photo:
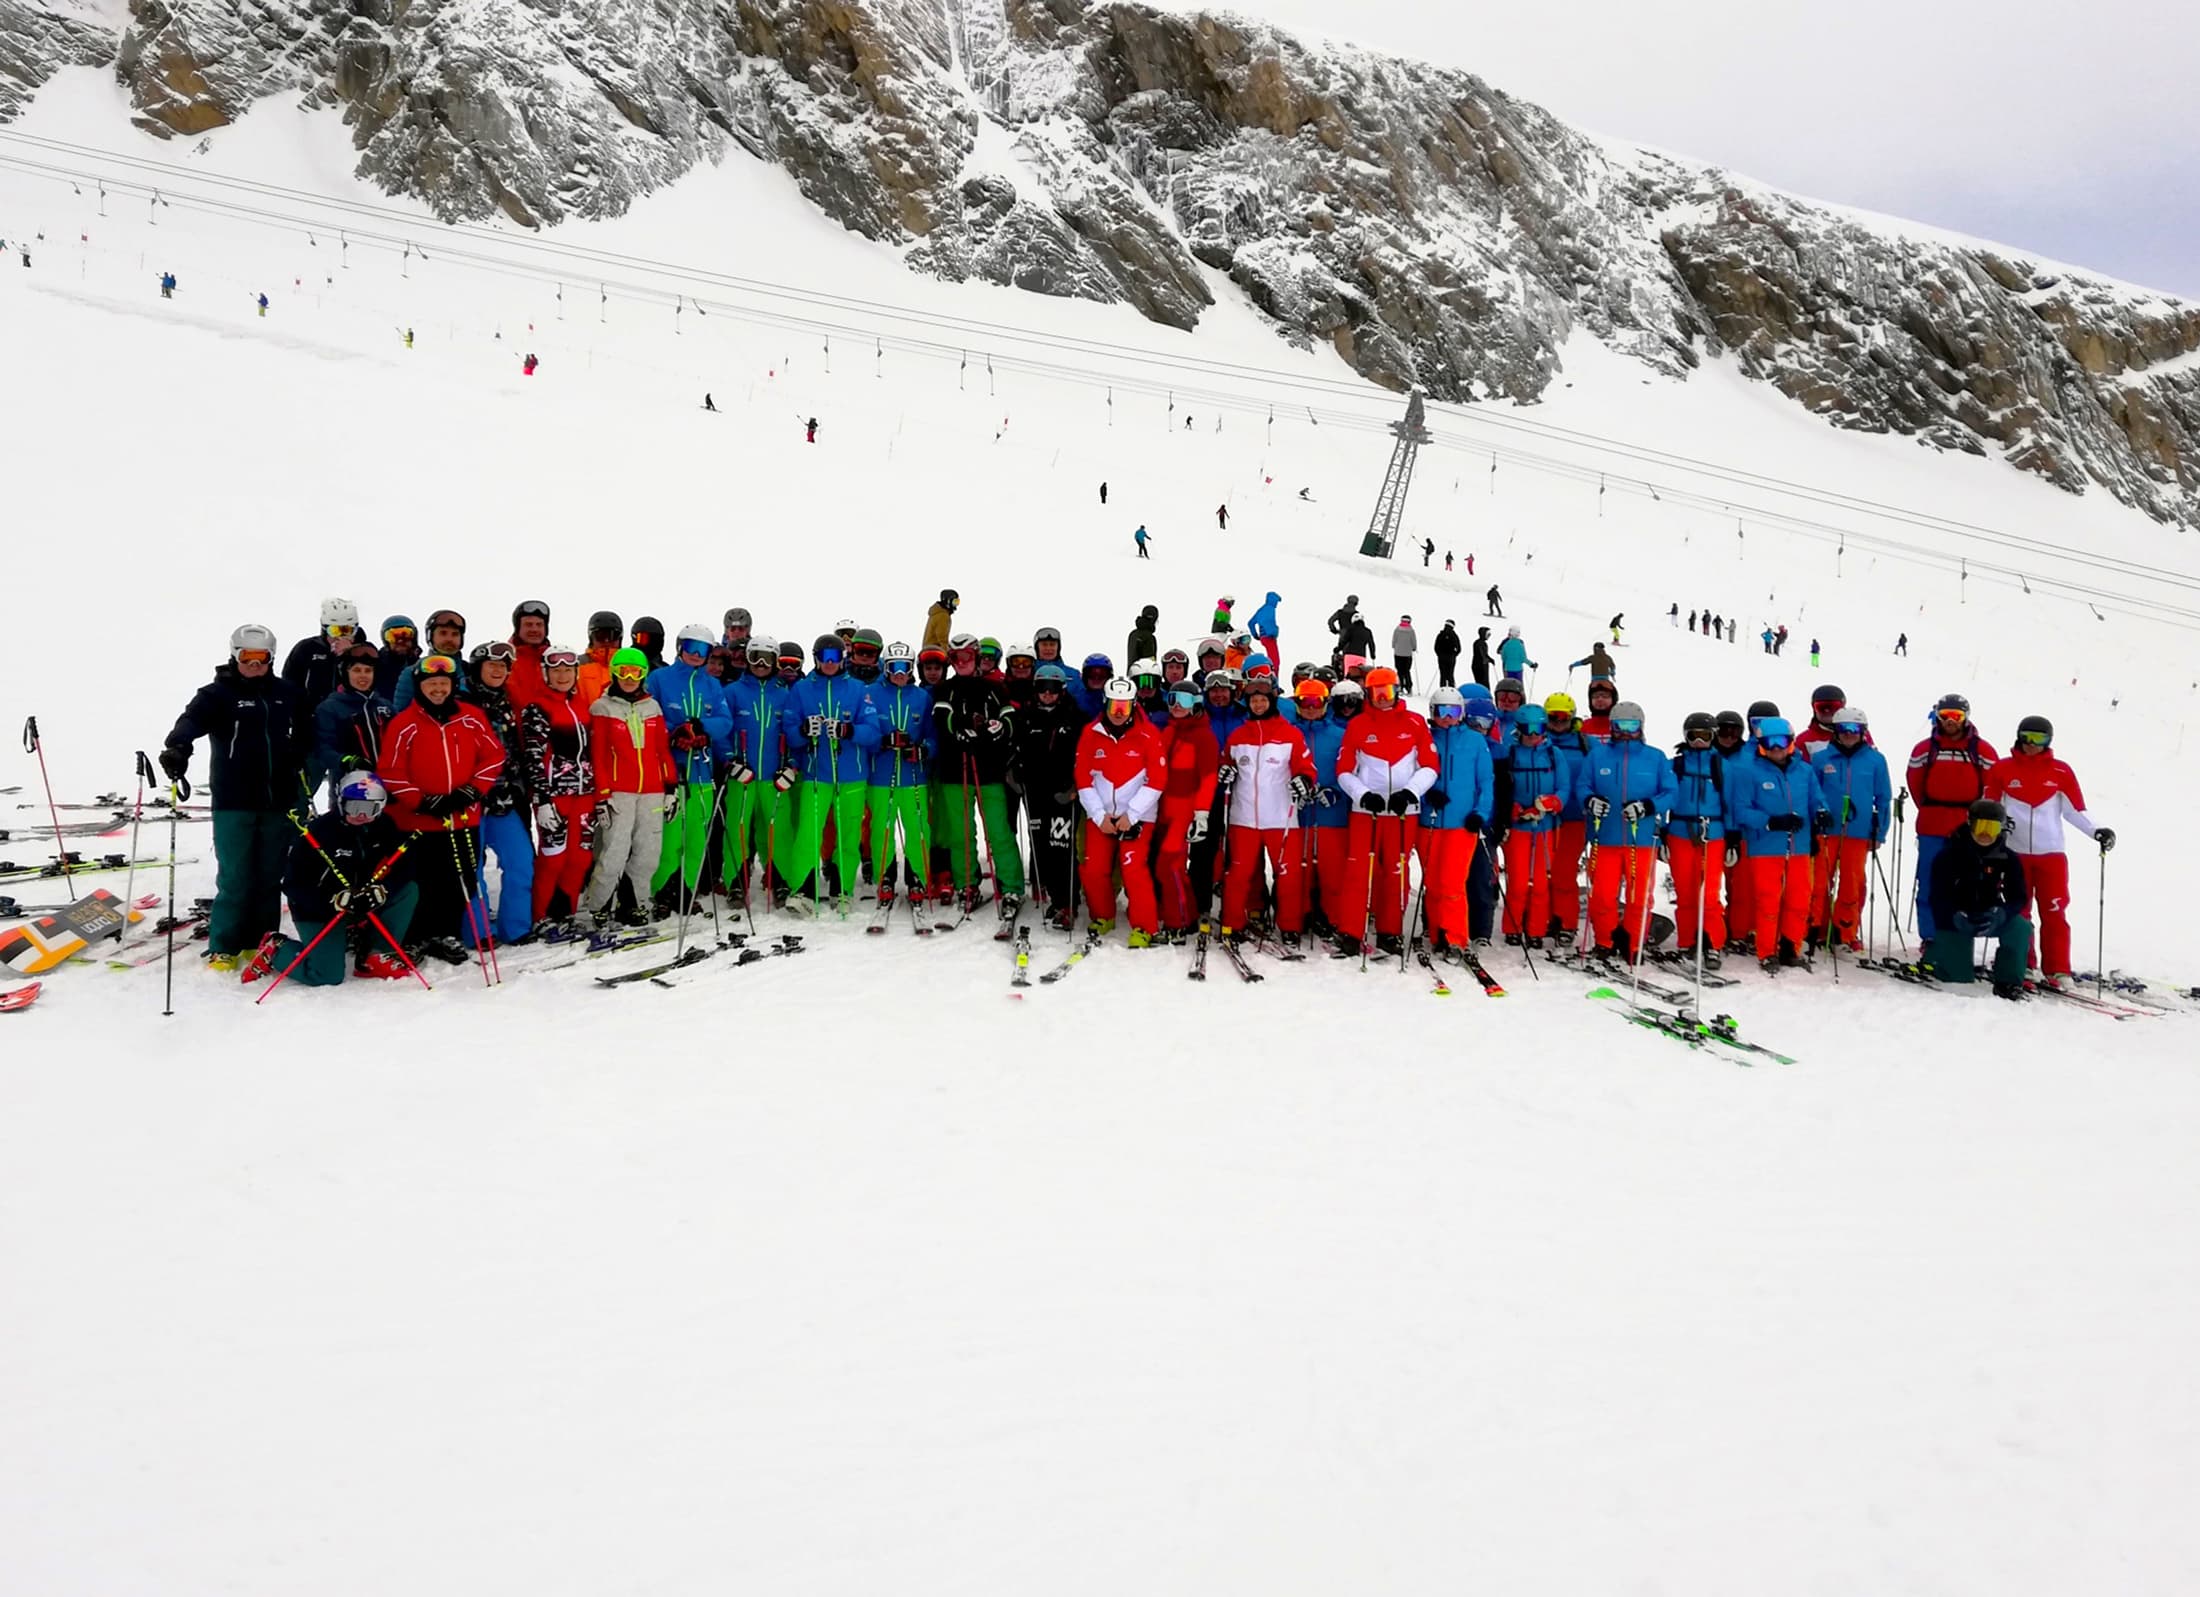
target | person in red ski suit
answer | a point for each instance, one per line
(1947, 773)
(439, 758)
(1122, 772)
(561, 784)
(1385, 765)
(1186, 804)
(2041, 794)
(1266, 775)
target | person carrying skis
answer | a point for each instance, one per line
(1694, 846)
(699, 731)
(1264, 776)
(1122, 772)
(895, 732)
(836, 782)
(1045, 765)
(768, 747)
(1947, 774)
(400, 651)
(315, 666)
(1447, 655)
(561, 785)
(1453, 813)
(939, 620)
(1541, 785)
(504, 813)
(440, 758)
(1855, 810)
(1978, 890)
(349, 724)
(1265, 629)
(1385, 766)
(257, 745)
(1775, 798)
(975, 724)
(2038, 794)
(1512, 654)
(1405, 643)
(1625, 792)
(346, 862)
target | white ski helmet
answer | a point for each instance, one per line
(1020, 651)
(1147, 666)
(251, 636)
(1209, 646)
(763, 648)
(1121, 689)
(898, 656)
(1446, 699)
(1512, 632)
(339, 613)
(699, 635)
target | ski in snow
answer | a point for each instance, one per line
(1198, 972)
(920, 915)
(1072, 960)
(1443, 987)
(880, 915)
(1475, 968)
(1236, 956)
(1022, 974)
(19, 997)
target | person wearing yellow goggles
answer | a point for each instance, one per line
(1977, 888)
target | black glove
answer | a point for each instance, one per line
(1328, 796)
(1733, 853)
(1372, 803)
(1066, 799)
(1302, 791)
(175, 762)
(1822, 823)
(1634, 810)
(1226, 776)
(1130, 831)
(2105, 836)
(1597, 808)
(435, 805)
(1472, 823)
(464, 797)
(1784, 823)
(1436, 797)
(1403, 803)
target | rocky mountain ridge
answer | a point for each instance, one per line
(1432, 230)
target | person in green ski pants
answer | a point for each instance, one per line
(699, 727)
(974, 720)
(835, 777)
(767, 752)
(896, 734)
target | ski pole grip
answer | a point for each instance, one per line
(145, 768)
(30, 734)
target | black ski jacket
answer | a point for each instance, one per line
(347, 853)
(258, 744)
(964, 712)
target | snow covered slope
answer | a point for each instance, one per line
(846, 1272)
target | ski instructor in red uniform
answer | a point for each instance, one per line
(1947, 773)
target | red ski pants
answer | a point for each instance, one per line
(1624, 871)
(1573, 837)
(2047, 878)
(1528, 859)
(1741, 898)
(1842, 862)
(568, 868)
(1385, 843)
(1247, 844)
(1172, 861)
(1779, 887)
(1105, 854)
(1446, 856)
(1326, 852)
(1699, 872)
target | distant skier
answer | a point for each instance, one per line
(1780, 638)
(1447, 654)
(263, 304)
(1447, 560)
(1470, 563)
(527, 367)
(1513, 654)
(1404, 645)
(1222, 517)
(1428, 553)
(1673, 615)
(1187, 423)
(1307, 494)
(168, 285)
(1139, 537)
(1733, 629)
(1814, 651)
(1267, 630)
(1497, 603)
(1615, 624)
(1902, 645)
(1765, 637)
(1692, 621)
(1103, 493)
(408, 338)
(708, 403)
(809, 431)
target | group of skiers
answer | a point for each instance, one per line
(619, 783)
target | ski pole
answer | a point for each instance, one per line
(2100, 933)
(380, 871)
(466, 894)
(1367, 904)
(477, 873)
(334, 922)
(178, 791)
(137, 817)
(1894, 925)
(33, 745)
(1703, 888)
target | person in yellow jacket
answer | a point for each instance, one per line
(938, 620)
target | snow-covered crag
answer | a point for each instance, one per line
(1431, 229)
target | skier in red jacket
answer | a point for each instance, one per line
(439, 757)
(2041, 793)
(1947, 773)
(1185, 806)
(1266, 775)
(1122, 772)
(1386, 763)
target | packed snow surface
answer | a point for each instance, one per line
(849, 1273)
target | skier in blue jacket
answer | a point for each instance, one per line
(1542, 785)
(1695, 838)
(1775, 798)
(1454, 813)
(1625, 791)
(700, 729)
(895, 731)
(1512, 654)
(768, 747)
(1264, 629)
(1856, 808)
(836, 777)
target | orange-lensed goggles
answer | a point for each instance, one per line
(255, 656)
(438, 665)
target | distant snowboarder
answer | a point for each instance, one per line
(708, 402)
(1307, 494)
(1497, 603)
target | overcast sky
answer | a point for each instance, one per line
(2068, 132)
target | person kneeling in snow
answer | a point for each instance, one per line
(348, 863)
(1978, 891)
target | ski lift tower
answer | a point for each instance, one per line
(1390, 504)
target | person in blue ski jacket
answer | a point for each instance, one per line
(768, 747)
(1541, 777)
(1090, 691)
(1264, 629)
(895, 730)
(1626, 789)
(1856, 809)
(1512, 654)
(1224, 714)
(1453, 815)
(1695, 838)
(836, 778)
(1323, 824)
(1775, 798)
(699, 728)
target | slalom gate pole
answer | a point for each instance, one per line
(137, 819)
(178, 791)
(33, 745)
(466, 894)
(334, 922)
(403, 958)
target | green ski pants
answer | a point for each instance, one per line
(993, 807)
(909, 809)
(250, 847)
(687, 836)
(326, 965)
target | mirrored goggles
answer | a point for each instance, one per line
(1627, 726)
(828, 656)
(1774, 740)
(400, 636)
(630, 673)
(1184, 698)
(438, 665)
(1481, 720)
(359, 809)
(557, 657)
(1986, 831)
(338, 629)
(2032, 740)
(1850, 729)
(1952, 717)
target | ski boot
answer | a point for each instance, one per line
(1139, 939)
(382, 966)
(262, 960)
(226, 964)
(1100, 928)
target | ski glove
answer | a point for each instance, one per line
(550, 828)
(673, 795)
(1634, 810)
(1436, 798)
(785, 778)
(437, 805)
(1226, 777)
(1822, 823)
(739, 772)
(1733, 853)
(1597, 808)
(1403, 803)
(1524, 813)
(1327, 797)
(175, 762)
(845, 732)
(1372, 803)
(1784, 823)
(1198, 830)
(814, 727)
(1302, 791)
(2105, 836)
(1473, 822)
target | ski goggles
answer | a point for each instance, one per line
(1503, 695)
(1049, 685)
(1985, 831)
(532, 607)
(630, 673)
(355, 808)
(447, 618)
(1774, 740)
(1047, 635)
(1185, 699)
(255, 656)
(989, 651)
(1481, 720)
(1146, 679)
(1558, 720)
(828, 656)
(338, 629)
(2032, 740)
(502, 649)
(1627, 726)
(863, 651)
(1952, 718)
(401, 636)
(1855, 729)
(1827, 708)
(438, 665)
(554, 658)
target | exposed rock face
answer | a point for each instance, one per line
(1433, 231)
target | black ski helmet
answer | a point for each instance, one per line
(1730, 721)
(823, 641)
(2040, 724)
(1763, 709)
(1987, 809)
(530, 607)
(1698, 723)
(603, 622)
(648, 627)
(1828, 693)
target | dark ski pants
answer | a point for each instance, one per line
(445, 862)
(1404, 663)
(325, 966)
(250, 847)
(1950, 953)
(1054, 850)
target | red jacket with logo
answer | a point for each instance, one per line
(423, 755)
(1946, 777)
